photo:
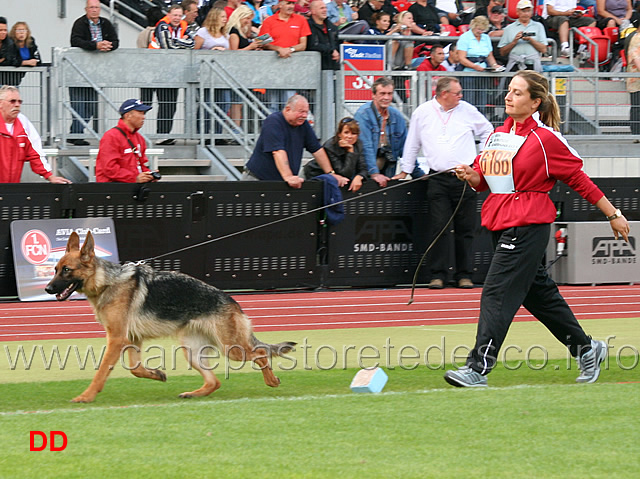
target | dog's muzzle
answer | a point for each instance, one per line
(62, 291)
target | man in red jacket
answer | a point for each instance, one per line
(122, 156)
(20, 142)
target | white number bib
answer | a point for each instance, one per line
(496, 162)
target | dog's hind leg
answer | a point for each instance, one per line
(261, 357)
(136, 367)
(194, 347)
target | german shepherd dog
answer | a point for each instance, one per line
(134, 303)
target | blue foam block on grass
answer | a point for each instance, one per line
(369, 381)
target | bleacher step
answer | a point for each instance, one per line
(172, 178)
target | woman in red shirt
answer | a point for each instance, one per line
(520, 164)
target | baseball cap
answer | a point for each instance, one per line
(133, 104)
(522, 4)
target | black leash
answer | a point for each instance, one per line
(415, 275)
(315, 210)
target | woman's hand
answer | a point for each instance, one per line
(346, 144)
(620, 227)
(468, 174)
(342, 180)
(356, 183)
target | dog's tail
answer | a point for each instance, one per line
(274, 349)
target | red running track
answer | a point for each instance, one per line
(323, 310)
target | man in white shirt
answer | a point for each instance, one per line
(445, 128)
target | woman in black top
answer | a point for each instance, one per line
(345, 154)
(239, 26)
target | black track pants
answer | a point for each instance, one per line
(517, 277)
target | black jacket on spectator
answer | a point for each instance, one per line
(324, 39)
(33, 50)
(344, 163)
(81, 34)
(9, 52)
(426, 17)
(366, 11)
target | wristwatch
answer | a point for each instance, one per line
(616, 214)
(293, 50)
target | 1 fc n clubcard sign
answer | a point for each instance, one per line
(39, 244)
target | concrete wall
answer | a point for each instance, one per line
(50, 30)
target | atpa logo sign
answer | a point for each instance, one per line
(607, 250)
(384, 234)
(35, 247)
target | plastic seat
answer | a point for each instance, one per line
(512, 11)
(589, 32)
(448, 30)
(463, 28)
(613, 33)
(401, 5)
(423, 50)
(604, 50)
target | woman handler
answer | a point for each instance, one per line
(520, 164)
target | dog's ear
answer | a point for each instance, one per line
(87, 252)
(73, 244)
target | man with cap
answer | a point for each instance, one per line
(121, 157)
(486, 9)
(524, 40)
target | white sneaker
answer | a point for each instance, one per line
(465, 377)
(565, 52)
(589, 362)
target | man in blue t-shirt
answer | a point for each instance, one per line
(278, 153)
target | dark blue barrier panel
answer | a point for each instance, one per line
(385, 235)
(379, 243)
(150, 220)
(624, 193)
(279, 248)
(382, 238)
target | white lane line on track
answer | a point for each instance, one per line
(340, 310)
(222, 402)
(391, 323)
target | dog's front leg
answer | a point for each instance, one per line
(115, 343)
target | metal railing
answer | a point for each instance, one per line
(594, 105)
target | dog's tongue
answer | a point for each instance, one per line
(67, 292)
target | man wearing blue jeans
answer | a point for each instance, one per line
(383, 131)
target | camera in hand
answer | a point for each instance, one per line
(384, 156)
(528, 34)
(156, 175)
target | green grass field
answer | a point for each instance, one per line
(534, 420)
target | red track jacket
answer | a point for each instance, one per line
(23, 145)
(543, 158)
(116, 161)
